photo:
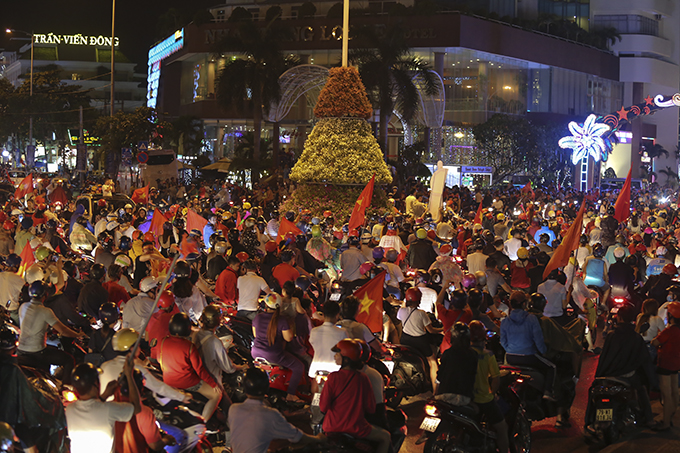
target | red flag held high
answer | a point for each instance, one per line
(478, 217)
(622, 206)
(560, 257)
(25, 187)
(528, 190)
(141, 195)
(195, 221)
(58, 194)
(370, 296)
(27, 259)
(285, 227)
(157, 222)
(358, 216)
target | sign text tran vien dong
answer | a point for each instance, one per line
(75, 40)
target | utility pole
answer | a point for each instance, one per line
(113, 53)
(345, 31)
(81, 155)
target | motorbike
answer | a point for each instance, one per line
(184, 424)
(409, 373)
(612, 410)
(449, 428)
(279, 378)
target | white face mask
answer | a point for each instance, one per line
(670, 298)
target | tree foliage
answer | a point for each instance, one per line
(410, 163)
(343, 96)
(517, 145)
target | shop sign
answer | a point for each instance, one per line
(75, 40)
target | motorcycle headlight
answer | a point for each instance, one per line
(431, 410)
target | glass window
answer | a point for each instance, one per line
(629, 24)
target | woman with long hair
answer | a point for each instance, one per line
(272, 331)
(668, 365)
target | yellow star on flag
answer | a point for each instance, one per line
(366, 303)
(359, 201)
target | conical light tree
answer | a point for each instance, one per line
(341, 154)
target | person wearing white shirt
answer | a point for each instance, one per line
(650, 315)
(512, 245)
(249, 287)
(90, 419)
(476, 261)
(555, 296)
(325, 337)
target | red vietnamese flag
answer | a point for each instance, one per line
(25, 187)
(528, 190)
(622, 205)
(478, 217)
(157, 221)
(141, 195)
(370, 296)
(358, 216)
(27, 259)
(560, 257)
(195, 221)
(59, 195)
(285, 227)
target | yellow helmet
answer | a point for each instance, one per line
(246, 205)
(522, 253)
(500, 216)
(124, 339)
(41, 253)
(421, 233)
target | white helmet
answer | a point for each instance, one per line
(221, 247)
(34, 273)
(661, 251)
(123, 261)
(148, 283)
(112, 225)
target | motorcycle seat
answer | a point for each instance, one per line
(612, 379)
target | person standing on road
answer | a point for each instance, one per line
(668, 365)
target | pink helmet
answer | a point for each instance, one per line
(469, 281)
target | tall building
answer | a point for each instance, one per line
(649, 54)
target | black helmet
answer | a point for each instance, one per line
(537, 301)
(37, 289)
(180, 325)
(84, 376)
(436, 276)
(303, 282)
(105, 240)
(233, 235)
(211, 316)
(287, 255)
(125, 243)
(167, 226)
(256, 382)
(8, 338)
(583, 240)
(126, 218)
(109, 313)
(611, 210)
(458, 299)
(290, 215)
(97, 271)
(182, 269)
(353, 240)
(13, 260)
(51, 224)
(598, 250)
(139, 382)
(461, 332)
(70, 268)
(274, 215)
(178, 223)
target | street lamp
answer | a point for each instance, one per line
(30, 118)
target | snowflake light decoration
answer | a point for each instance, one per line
(586, 139)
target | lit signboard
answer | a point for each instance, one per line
(75, 40)
(157, 53)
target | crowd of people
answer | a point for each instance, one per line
(92, 275)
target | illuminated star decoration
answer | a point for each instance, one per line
(366, 303)
(586, 139)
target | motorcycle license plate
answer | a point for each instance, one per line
(316, 399)
(604, 415)
(335, 297)
(430, 424)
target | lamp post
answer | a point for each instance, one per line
(113, 52)
(30, 118)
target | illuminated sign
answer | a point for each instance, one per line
(157, 53)
(586, 140)
(87, 138)
(75, 40)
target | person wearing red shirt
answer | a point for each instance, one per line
(450, 316)
(225, 287)
(668, 365)
(518, 270)
(141, 434)
(286, 272)
(158, 327)
(182, 365)
(117, 294)
(347, 395)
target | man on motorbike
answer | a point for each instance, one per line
(595, 271)
(347, 396)
(621, 275)
(91, 419)
(35, 319)
(93, 294)
(249, 287)
(352, 259)
(657, 286)
(356, 330)
(182, 365)
(458, 369)
(421, 253)
(254, 424)
(11, 285)
(522, 339)
(655, 266)
(324, 337)
(625, 356)
(138, 309)
(122, 342)
(225, 287)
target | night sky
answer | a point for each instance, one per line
(136, 20)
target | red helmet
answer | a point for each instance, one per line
(166, 300)
(8, 225)
(674, 309)
(3, 216)
(148, 236)
(637, 237)
(670, 269)
(136, 235)
(348, 348)
(242, 256)
(413, 295)
(101, 203)
(327, 214)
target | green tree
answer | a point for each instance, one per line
(126, 129)
(410, 163)
(672, 178)
(250, 83)
(240, 14)
(186, 135)
(6, 118)
(307, 10)
(273, 13)
(387, 68)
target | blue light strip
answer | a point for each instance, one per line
(157, 53)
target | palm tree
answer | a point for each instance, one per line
(672, 178)
(251, 81)
(387, 68)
